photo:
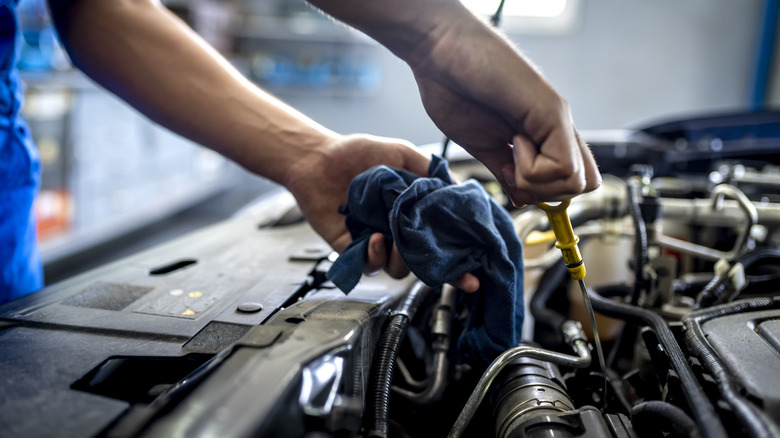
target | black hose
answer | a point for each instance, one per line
(713, 292)
(385, 361)
(761, 255)
(661, 416)
(703, 410)
(640, 240)
(754, 421)
(767, 284)
(626, 336)
(549, 282)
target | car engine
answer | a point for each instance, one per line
(235, 331)
(681, 248)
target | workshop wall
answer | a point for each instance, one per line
(623, 62)
(636, 60)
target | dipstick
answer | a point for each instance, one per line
(567, 241)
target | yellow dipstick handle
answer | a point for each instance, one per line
(566, 239)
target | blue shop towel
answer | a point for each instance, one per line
(442, 231)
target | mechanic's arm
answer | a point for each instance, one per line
(140, 51)
(482, 93)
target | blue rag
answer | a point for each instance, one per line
(442, 231)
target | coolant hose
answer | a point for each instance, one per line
(663, 417)
(703, 410)
(754, 421)
(384, 363)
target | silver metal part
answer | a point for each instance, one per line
(582, 360)
(700, 212)
(434, 385)
(572, 331)
(532, 388)
(750, 218)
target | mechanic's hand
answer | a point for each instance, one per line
(320, 183)
(485, 96)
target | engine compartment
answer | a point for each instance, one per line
(681, 249)
(236, 331)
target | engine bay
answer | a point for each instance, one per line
(681, 273)
(235, 331)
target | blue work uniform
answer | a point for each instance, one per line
(21, 270)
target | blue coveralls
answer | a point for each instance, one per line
(21, 270)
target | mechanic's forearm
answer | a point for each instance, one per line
(143, 53)
(409, 28)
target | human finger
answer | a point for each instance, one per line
(558, 158)
(467, 283)
(592, 174)
(380, 258)
(377, 254)
(396, 267)
(414, 160)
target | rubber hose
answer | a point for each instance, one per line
(549, 282)
(661, 416)
(763, 284)
(394, 334)
(703, 410)
(760, 255)
(625, 337)
(640, 240)
(752, 419)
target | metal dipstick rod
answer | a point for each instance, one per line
(567, 241)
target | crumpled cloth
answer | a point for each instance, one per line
(442, 231)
